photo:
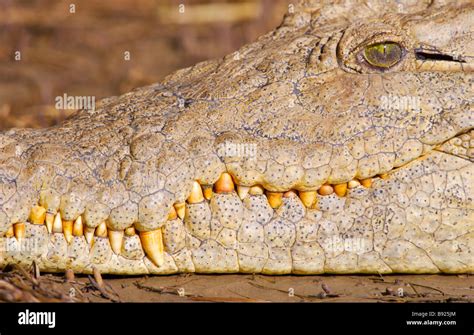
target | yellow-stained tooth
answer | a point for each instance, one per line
(208, 192)
(326, 189)
(308, 198)
(256, 190)
(37, 214)
(152, 243)
(384, 175)
(78, 227)
(224, 184)
(180, 209)
(196, 194)
(172, 214)
(340, 189)
(67, 230)
(89, 234)
(116, 238)
(19, 231)
(275, 199)
(101, 230)
(49, 222)
(130, 231)
(10, 232)
(242, 191)
(353, 183)
(366, 182)
(57, 224)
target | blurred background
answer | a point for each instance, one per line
(78, 47)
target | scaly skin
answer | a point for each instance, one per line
(306, 100)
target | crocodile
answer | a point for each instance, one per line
(340, 142)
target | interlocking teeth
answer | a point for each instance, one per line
(353, 183)
(37, 214)
(152, 243)
(224, 184)
(58, 224)
(180, 209)
(308, 198)
(19, 231)
(116, 238)
(208, 192)
(101, 230)
(89, 234)
(172, 214)
(340, 189)
(326, 189)
(49, 222)
(196, 194)
(242, 191)
(78, 227)
(275, 199)
(130, 231)
(256, 190)
(67, 230)
(366, 182)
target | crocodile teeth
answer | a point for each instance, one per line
(208, 192)
(19, 231)
(172, 214)
(366, 182)
(37, 214)
(289, 194)
(152, 243)
(10, 232)
(49, 222)
(340, 189)
(116, 238)
(308, 198)
(384, 176)
(101, 230)
(353, 183)
(78, 227)
(67, 230)
(89, 234)
(242, 191)
(256, 190)
(326, 190)
(130, 231)
(180, 209)
(224, 184)
(196, 194)
(275, 199)
(57, 224)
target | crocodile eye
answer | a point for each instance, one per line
(383, 55)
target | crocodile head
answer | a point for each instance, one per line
(340, 142)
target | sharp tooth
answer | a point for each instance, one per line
(37, 215)
(256, 190)
(97, 277)
(196, 194)
(69, 275)
(57, 224)
(19, 231)
(353, 183)
(208, 192)
(325, 189)
(384, 176)
(172, 214)
(67, 230)
(10, 232)
(116, 238)
(130, 231)
(78, 227)
(366, 182)
(49, 222)
(275, 199)
(152, 243)
(180, 209)
(224, 184)
(289, 194)
(89, 234)
(308, 198)
(101, 230)
(242, 191)
(340, 189)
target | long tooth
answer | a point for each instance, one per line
(308, 198)
(152, 243)
(89, 234)
(19, 231)
(275, 199)
(196, 194)
(116, 238)
(78, 227)
(180, 209)
(366, 182)
(242, 191)
(353, 183)
(10, 232)
(172, 214)
(130, 231)
(57, 224)
(67, 230)
(208, 192)
(49, 222)
(224, 184)
(37, 214)
(326, 189)
(256, 190)
(340, 189)
(101, 230)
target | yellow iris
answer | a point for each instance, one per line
(383, 55)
